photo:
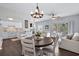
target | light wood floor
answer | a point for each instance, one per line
(13, 48)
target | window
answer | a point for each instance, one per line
(26, 23)
(61, 28)
(46, 26)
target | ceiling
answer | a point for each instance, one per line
(20, 11)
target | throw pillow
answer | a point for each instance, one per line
(76, 37)
(69, 36)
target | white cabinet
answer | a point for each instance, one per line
(10, 23)
(5, 35)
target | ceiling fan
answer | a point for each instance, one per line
(53, 15)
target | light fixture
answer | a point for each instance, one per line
(54, 17)
(10, 18)
(37, 13)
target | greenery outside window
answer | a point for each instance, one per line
(61, 28)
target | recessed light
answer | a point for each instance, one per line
(10, 18)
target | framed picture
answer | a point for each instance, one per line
(46, 26)
(31, 25)
(26, 23)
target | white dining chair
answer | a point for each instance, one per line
(1, 42)
(28, 46)
(51, 50)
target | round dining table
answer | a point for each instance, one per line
(44, 41)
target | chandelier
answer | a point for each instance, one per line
(37, 13)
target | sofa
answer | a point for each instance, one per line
(70, 44)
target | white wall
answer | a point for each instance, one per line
(72, 20)
(41, 25)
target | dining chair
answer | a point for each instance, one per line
(51, 49)
(28, 46)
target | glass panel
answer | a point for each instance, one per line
(61, 28)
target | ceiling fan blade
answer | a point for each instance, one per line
(56, 17)
(53, 15)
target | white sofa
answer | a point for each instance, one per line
(70, 45)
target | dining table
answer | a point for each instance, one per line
(43, 41)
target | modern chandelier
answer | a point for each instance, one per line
(37, 13)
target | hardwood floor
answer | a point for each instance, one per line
(13, 48)
(63, 52)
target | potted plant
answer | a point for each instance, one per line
(38, 34)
